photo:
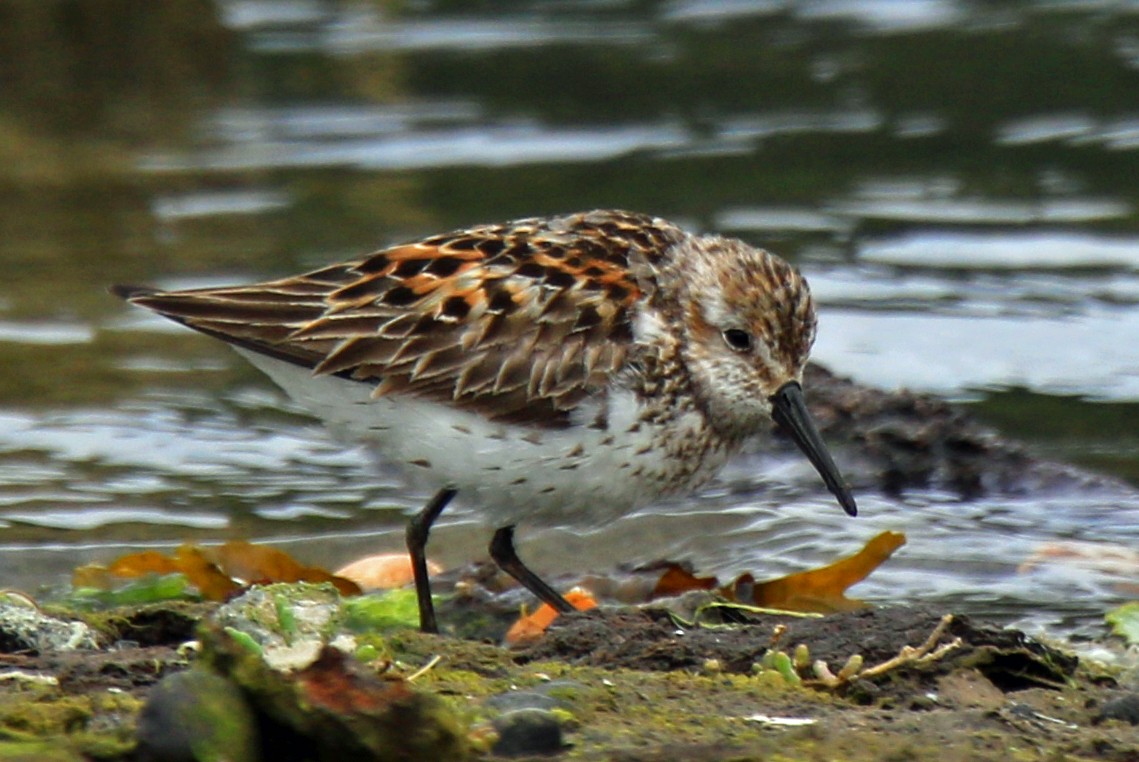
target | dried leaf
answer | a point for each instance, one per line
(676, 580)
(263, 564)
(1107, 558)
(217, 573)
(92, 576)
(204, 574)
(141, 564)
(818, 590)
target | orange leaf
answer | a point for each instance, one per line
(343, 586)
(255, 563)
(263, 564)
(676, 580)
(141, 564)
(819, 590)
(531, 626)
(130, 566)
(92, 575)
(217, 572)
(203, 574)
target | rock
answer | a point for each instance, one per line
(289, 623)
(555, 694)
(901, 440)
(23, 627)
(525, 732)
(512, 701)
(1125, 707)
(335, 707)
(197, 716)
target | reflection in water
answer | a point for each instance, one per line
(950, 353)
(1005, 250)
(957, 182)
(499, 145)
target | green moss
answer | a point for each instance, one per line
(99, 725)
(37, 751)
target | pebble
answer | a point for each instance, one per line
(524, 732)
(195, 716)
(23, 627)
(1124, 708)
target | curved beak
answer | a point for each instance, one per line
(790, 412)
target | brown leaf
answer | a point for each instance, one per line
(218, 572)
(204, 574)
(92, 575)
(261, 564)
(819, 590)
(676, 580)
(130, 566)
(143, 563)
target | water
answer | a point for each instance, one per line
(956, 180)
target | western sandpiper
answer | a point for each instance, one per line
(567, 368)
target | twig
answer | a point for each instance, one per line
(425, 668)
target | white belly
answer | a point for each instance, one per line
(570, 475)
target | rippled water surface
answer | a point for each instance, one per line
(956, 180)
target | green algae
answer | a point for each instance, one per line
(245, 641)
(382, 612)
(1124, 622)
(286, 618)
(152, 588)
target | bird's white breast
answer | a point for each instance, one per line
(575, 474)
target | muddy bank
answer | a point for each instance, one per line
(617, 683)
(893, 441)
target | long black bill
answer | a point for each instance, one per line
(790, 412)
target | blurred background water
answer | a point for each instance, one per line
(958, 180)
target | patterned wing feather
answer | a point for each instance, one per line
(519, 321)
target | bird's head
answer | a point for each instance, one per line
(749, 323)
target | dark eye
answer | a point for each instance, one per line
(737, 339)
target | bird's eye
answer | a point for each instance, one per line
(737, 339)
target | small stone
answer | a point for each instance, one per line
(527, 731)
(337, 709)
(290, 623)
(1124, 708)
(512, 701)
(555, 694)
(23, 627)
(197, 716)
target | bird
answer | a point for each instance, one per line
(567, 368)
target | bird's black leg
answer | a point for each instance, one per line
(417, 530)
(502, 551)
